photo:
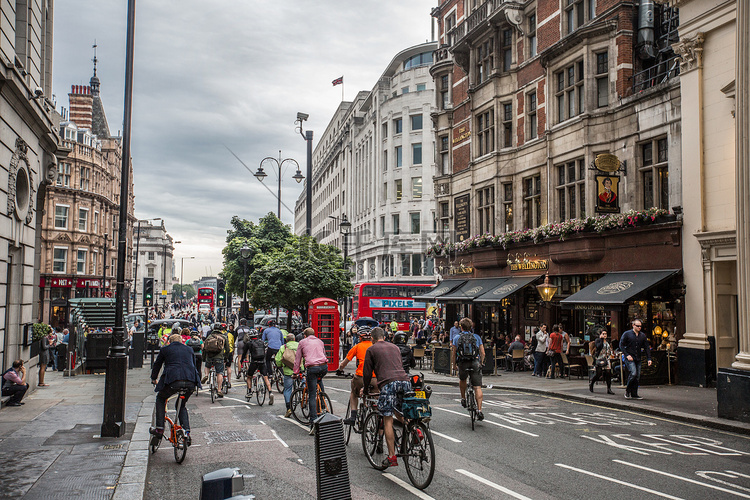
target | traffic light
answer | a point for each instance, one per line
(148, 292)
(221, 293)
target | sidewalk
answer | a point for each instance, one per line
(51, 446)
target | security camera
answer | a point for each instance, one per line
(38, 92)
(302, 117)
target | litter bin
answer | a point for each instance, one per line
(97, 348)
(221, 484)
(62, 356)
(137, 348)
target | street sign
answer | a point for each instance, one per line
(164, 292)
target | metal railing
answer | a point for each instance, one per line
(655, 75)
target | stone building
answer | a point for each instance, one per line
(558, 135)
(29, 144)
(155, 260)
(80, 227)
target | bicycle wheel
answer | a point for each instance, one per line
(213, 392)
(420, 455)
(260, 390)
(279, 376)
(180, 445)
(347, 427)
(324, 404)
(225, 385)
(373, 441)
(471, 404)
(154, 443)
(300, 409)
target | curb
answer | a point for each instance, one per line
(714, 423)
(132, 481)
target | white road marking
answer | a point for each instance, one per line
(246, 403)
(492, 485)
(280, 440)
(225, 406)
(489, 422)
(444, 436)
(292, 421)
(623, 483)
(262, 422)
(337, 389)
(411, 489)
(681, 478)
(707, 474)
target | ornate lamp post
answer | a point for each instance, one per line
(261, 175)
(245, 254)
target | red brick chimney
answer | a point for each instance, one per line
(81, 105)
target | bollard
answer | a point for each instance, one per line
(221, 484)
(331, 469)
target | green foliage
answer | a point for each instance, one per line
(40, 330)
(177, 290)
(302, 271)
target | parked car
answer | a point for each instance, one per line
(263, 323)
(130, 320)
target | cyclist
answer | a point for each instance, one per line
(239, 347)
(468, 351)
(384, 358)
(284, 363)
(407, 357)
(358, 351)
(215, 349)
(179, 373)
(229, 352)
(256, 349)
(312, 350)
(274, 339)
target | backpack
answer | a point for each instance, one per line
(466, 347)
(287, 359)
(214, 344)
(195, 344)
(246, 339)
(257, 350)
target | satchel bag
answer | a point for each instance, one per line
(550, 353)
(601, 363)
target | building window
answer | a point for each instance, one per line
(60, 260)
(85, 176)
(445, 155)
(385, 130)
(399, 156)
(486, 210)
(508, 206)
(532, 201)
(531, 114)
(398, 125)
(445, 226)
(94, 260)
(507, 49)
(396, 219)
(507, 125)
(531, 35)
(485, 132)
(602, 80)
(385, 161)
(150, 272)
(484, 60)
(571, 188)
(416, 153)
(81, 261)
(398, 189)
(405, 90)
(387, 261)
(415, 222)
(151, 255)
(385, 192)
(569, 91)
(575, 13)
(444, 92)
(61, 217)
(416, 122)
(83, 219)
(63, 174)
(655, 173)
(95, 228)
(450, 23)
(416, 188)
(421, 87)
(422, 59)
(382, 226)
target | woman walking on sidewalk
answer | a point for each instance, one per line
(540, 352)
(602, 353)
(43, 359)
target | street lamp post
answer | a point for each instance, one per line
(261, 175)
(245, 254)
(182, 266)
(104, 266)
(308, 137)
(137, 252)
(344, 226)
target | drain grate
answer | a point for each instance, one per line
(112, 446)
(220, 437)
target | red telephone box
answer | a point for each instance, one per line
(323, 315)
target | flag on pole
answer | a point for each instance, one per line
(338, 81)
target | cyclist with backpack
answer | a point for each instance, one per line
(229, 352)
(285, 359)
(256, 349)
(358, 351)
(215, 348)
(239, 347)
(467, 352)
(407, 357)
(274, 339)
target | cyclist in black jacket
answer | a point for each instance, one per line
(407, 357)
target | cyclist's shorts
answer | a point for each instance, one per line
(256, 366)
(218, 365)
(228, 362)
(476, 375)
(391, 396)
(358, 383)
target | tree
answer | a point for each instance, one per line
(263, 239)
(177, 290)
(302, 271)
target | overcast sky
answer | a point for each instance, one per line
(234, 73)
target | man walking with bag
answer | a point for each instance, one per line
(632, 344)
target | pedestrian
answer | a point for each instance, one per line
(354, 335)
(632, 343)
(540, 351)
(43, 360)
(284, 362)
(555, 347)
(312, 350)
(455, 331)
(14, 383)
(52, 338)
(602, 353)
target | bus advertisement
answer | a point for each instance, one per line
(385, 302)
(206, 296)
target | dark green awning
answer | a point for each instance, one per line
(96, 313)
(615, 289)
(471, 289)
(440, 289)
(506, 288)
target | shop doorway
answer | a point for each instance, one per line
(727, 320)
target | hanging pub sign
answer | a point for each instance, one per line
(461, 211)
(607, 194)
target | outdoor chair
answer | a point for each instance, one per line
(567, 367)
(516, 360)
(418, 353)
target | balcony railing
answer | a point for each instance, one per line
(657, 74)
(476, 20)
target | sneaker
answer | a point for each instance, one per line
(627, 395)
(480, 416)
(155, 432)
(219, 395)
(204, 380)
(420, 435)
(390, 462)
(270, 398)
(288, 413)
(349, 421)
(14, 403)
(379, 447)
(463, 402)
(188, 441)
(609, 391)
(635, 397)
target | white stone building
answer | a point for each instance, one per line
(154, 260)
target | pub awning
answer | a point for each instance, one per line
(471, 290)
(507, 288)
(440, 289)
(615, 289)
(97, 313)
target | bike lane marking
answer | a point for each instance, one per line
(493, 485)
(280, 440)
(445, 436)
(488, 422)
(681, 478)
(411, 489)
(292, 421)
(617, 481)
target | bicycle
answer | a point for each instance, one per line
(471, 399)
(176, 435)
(300, 401)
(366, 405)
(212, 387)
(413, 439)
(277, 379)
(258, 385)
(225, 384)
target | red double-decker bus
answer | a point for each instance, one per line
(206, 296)
(385, 302)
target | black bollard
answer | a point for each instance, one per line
(222, 484)
(331, 469)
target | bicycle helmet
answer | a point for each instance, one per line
(271, 322)
(176, 326)
(243, 322)
(364, 332)
(216, 326)
(399, 338)
(253, 333)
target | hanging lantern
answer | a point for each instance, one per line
(546, 290)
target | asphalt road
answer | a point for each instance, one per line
(529, 446)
